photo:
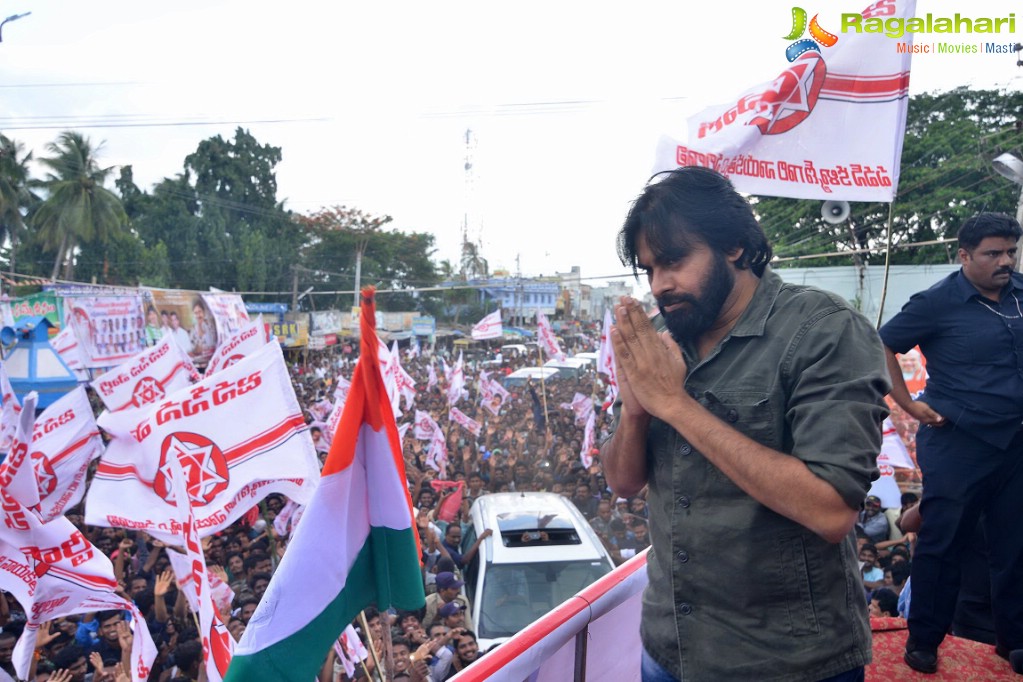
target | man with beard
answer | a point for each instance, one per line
(970, 442)
(467, 650)
(752, 410)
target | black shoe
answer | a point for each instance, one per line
(1013, 656)
(921, 659)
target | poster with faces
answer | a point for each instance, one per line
(109, 329)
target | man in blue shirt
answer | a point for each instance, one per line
(970, 444)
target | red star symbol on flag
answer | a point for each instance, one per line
(45, 475)
(147, 390)
(201, 460)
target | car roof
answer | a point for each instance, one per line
(511, 514)
(574, 363)
(535, 372)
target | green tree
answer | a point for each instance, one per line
(78, 208)
(15, 196)
(474, 265)
(166, 223)
(248, 237)
(219, 221)
(340, 239)
(236, 177)
(946, 176)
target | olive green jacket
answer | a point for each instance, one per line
(738, 592)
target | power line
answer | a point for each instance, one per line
(165, 124)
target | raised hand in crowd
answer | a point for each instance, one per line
(100, 673)
(46, 634)
(125, 639)
(61, 675)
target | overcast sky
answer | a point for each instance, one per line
(370, 101)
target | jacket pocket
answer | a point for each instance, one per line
(797, 591)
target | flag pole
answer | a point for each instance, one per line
(887, 262)
(543, 388)
(372, 647)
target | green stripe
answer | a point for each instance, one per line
(386, 573)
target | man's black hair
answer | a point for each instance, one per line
(445, 563)
(976, 229)
(188, 654)
(680, 208)
(258, 576)
(145, 600)
(254, 558)
(68, 656)
(107, 615)
(900, 572)
(248, 600)
(887, 601)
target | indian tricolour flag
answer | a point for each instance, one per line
(356, 545)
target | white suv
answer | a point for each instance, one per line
(541, 553)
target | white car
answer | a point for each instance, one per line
(573, 367)
(520, 376)
(592, 358)
(542, 552)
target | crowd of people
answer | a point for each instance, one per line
(751, 483)
(533, 444)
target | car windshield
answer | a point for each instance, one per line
(514, 595)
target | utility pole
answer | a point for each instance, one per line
(518, 288)
(360, 246)
(294, 288)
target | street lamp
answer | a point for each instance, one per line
(13, 17)
(1010, 166)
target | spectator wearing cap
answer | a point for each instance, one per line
(452, 614)
(872, 521)
(621, 508)
(448, 590)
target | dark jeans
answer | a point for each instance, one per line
(963, 478)
(653, 672)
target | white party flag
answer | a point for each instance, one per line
(70, 351)
(589, 436)
(51, 568)
(217, 642)
(456, 381)
(425, 427)
(65, 440)
(239, 435)
(830, 126)
(606, 359)
(466, 422)
(146, 377)
(545, 337)
(247, 340)
(581, 405)
(350, 650)
(10, 411)
(489, 327)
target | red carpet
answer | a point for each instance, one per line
(959, 660)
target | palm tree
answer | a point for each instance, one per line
(15, 196)
(78, 208)
(474, 265)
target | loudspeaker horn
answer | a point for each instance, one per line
(835, 212)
